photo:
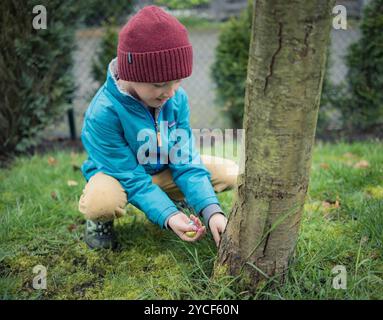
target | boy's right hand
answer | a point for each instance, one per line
(179, 223)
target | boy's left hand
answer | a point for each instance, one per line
(180, 224)
(217, 224)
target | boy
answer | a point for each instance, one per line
(142, 94)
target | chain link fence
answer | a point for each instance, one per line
(205, 113)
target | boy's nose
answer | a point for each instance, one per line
(170, 92)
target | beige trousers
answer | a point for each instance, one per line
(103, 197)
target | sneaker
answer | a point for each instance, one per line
(100, 235)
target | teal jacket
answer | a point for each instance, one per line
(110, 137)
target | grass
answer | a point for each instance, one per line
(342, 224)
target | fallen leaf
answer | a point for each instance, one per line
(331, 204)
(362, 164)
(72, 183)
(52, 161)
(54, 195)
(349, 155)
(72, 227)
(330, 201)
(324, 165)
(326, 204)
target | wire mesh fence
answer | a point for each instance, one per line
(200, 87)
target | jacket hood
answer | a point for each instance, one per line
(114, 89)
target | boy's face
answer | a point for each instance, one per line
(153, 94)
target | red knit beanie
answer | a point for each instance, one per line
(154, 47)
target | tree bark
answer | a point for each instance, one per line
(283, 87)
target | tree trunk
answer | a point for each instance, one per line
(283, 88)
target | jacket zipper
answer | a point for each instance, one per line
(158, 133)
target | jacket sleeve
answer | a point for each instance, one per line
(106, 146)
(191, 176)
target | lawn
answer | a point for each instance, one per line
(342, 224)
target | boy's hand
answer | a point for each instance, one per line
(179, 223)
(217, 224)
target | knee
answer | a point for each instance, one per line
(224, 172)
(229, 175)
(103, 198)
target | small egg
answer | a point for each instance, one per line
(191, 234)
